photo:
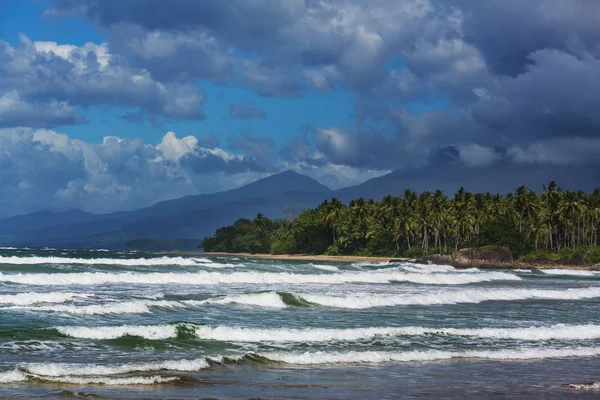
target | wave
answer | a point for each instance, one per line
(112, 374)
(583, 386)
(449, 297)
(34, 298)
(126, 307)
(213, 278)
(15, 376)
(571, 272)
(151, 332)
(133, 380)
(264, 299)
(324, 267)
(106, 261)
(319, 357)
(240, 334)
(57, 369)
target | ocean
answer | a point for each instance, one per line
(103, 324)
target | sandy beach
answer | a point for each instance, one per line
(302, 257)
(518, 264)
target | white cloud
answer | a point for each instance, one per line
(475, 155)
(44, 82)
(43, 169)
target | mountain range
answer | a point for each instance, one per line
(277, 196)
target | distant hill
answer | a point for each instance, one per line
(502, 177)
(189, 217)
(193, 217)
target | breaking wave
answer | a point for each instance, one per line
(570, 272)
(311, 358)
(450, 297)
(28, 298)
(105, 261)
(265, 299)
(239, 334)
(126, 307)
(213, 278)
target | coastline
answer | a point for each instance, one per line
(427, 259)
(303, 257)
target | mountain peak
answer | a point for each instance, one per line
(287, 181)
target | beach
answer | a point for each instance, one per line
(445, 260)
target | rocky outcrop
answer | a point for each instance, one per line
(476, 257)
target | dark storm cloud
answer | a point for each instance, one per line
(208, 141)
(508, 31)
(34, 74)
(204, 162)
(15, 112)
(519, 77)
(262, 149)
(246, 110)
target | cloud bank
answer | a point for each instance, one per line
(518, 83)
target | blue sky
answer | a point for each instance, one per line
(285, 117)
(124, 103)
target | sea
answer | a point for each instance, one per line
(129, 325)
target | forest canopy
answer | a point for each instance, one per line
(554, 223)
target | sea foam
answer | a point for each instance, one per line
(34, 298)
(240, 334)
(105, 261)
(449, 297)
(310, 358)
(213, 278)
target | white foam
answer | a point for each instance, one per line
(571, 272)
(133, 380)
(265, 299)
(152, 332)
(584, 386)
(235, 334)
(12, 376)
(33, 298)
(319, 357)
(58, 369)
(213, 278)
(104, 261)
(450, 297)
(240, 334)
(126, 307)
(535, 333)
(324, 267)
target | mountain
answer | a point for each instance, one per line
(192, 217)
(189, 217)
(449, 176)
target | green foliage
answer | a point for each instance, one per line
(554, 221)
(332, 251)
(502, 232)
(414, 252)
(585, 254)
(244, 236)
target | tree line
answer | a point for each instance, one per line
(552, 221)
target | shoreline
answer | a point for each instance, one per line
(303, 257)
(428, 259)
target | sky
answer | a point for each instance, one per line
(114, 105)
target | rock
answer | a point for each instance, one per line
(476, 257)
(483, 257)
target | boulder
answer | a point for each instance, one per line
(483, 257)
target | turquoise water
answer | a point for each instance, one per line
(135, 325)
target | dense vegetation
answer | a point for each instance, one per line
(553, 224)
